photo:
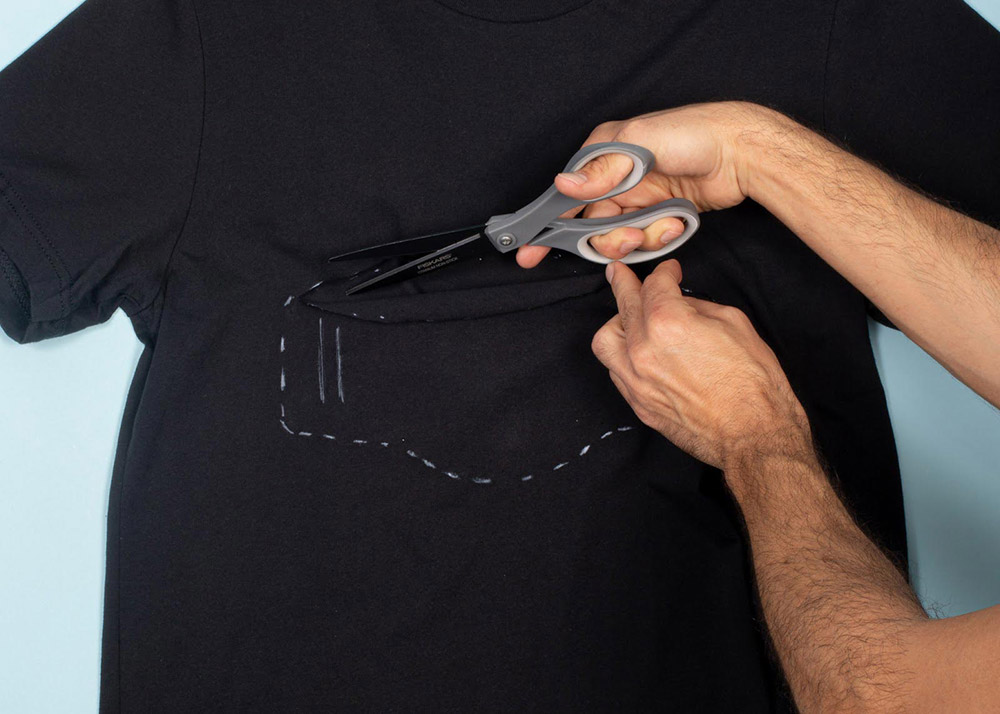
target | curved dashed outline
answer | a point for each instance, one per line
(410, 452)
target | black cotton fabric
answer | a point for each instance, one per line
(434, 499)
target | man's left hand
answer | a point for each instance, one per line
(697, 372)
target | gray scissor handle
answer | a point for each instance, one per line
(572, 234)
(513, 230)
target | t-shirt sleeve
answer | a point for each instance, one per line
(100, 129)
(914, 85)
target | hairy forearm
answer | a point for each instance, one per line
(850, 633)
(934, 272)
(841, 616)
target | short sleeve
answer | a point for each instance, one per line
(100, 128)
(914, 86)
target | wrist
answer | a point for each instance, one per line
(759, 140)
(753, 469)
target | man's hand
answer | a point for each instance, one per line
(696, 158)
(697, 372)
(850, 633)
(844, 622)
(932, 271)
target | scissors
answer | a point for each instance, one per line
(538, 223)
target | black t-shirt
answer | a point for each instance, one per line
(434, 499)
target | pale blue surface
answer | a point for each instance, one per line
(61, 403)
(948, 440)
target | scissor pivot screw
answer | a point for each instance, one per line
(506, 240)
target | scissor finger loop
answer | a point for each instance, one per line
(574, 234)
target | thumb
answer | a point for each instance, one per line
(596, 177)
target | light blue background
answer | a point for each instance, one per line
(61, 403)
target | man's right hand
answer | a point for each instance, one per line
(697, 157)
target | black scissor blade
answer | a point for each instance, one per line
(409, 246)
(469, 247)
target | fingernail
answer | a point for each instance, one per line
(609, 272)
(669, 234)
(575, 177)
(629, 246)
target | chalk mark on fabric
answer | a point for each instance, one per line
(319, 366)
(340, 374)
(385, 444)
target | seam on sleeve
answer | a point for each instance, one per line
(16, 284)
(194, 184)
(33, 229)
(826, 65)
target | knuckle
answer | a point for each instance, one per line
(602, 343)
(642, 356)
(668, 324)
(628, 129)
(599, 343)
(661, 313)
(668, 331)
(674, 332)
(607, 129)
(734, 316)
